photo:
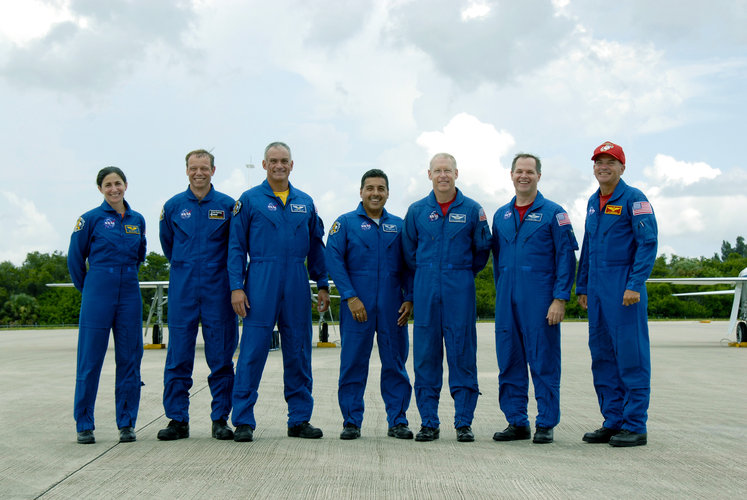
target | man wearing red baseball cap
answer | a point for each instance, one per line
(617, 257)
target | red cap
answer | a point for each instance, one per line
(611, 149)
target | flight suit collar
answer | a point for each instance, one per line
(267, 189)
(362, 212)
(457, 201)
(108, 208)
(208, 197)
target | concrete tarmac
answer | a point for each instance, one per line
(697, 445)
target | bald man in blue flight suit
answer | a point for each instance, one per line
(364, 257)
(534, 264)
(278, 227)
(194, 236)
(446, 243)
(617, 257)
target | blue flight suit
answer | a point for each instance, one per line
(194, 237)
(114, 247)
(365, 260)
(278, 239)
(618, 254)
(533, 264)
(446, 253)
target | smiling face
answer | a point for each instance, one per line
(525, 178)
(374, 194)
(113, 188)
(279, 165)
(199, 172)
(608, 170)
(443, 174)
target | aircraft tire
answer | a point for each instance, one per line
(741, 331)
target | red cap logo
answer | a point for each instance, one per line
(611, 149)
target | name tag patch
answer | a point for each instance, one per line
(613, 210)
(300, 209)
(130, 229)
(217, 214)
(389, 228)
(461, 218)
(533, 217)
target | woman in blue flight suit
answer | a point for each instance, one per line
(111, 238)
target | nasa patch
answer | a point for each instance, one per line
(365, 225)
(79, 224)
(507, 214)
(186, 213)
(109, 223)
(433, 216)
(272, 206)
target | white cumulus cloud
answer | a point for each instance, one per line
(25, 228)
(668, 170)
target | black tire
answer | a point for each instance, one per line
(741, 331)
(323, 332)
(157, 334)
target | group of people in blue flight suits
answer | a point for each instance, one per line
(253, 258)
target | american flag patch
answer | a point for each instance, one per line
(642, 207)
(563, 219)
(482, 215)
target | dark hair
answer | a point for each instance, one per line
(527, 155)
(375, 172)
(198, 153)
(109, 170)
(278, 144)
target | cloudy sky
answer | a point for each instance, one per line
(360, 84)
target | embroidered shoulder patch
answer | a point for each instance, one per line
(236, 208)
(335, 228)
(79, 224)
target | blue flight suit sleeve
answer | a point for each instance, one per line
(315, 262)
(143, 243)
(166, 233)
(645, 232)
(495, 245)
(582, 276)
(481, 242)
(335, 256)
(410, 239)
(80, 245)
(407, 278)
(565, 257)
(238, 243)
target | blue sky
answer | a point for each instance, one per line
(353, 85)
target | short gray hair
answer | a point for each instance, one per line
(527, 155)
(443, 156)
(278, 144)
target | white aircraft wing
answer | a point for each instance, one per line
(738, 316)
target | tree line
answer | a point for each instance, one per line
(25, 298)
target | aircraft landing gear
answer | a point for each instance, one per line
(741, 331)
